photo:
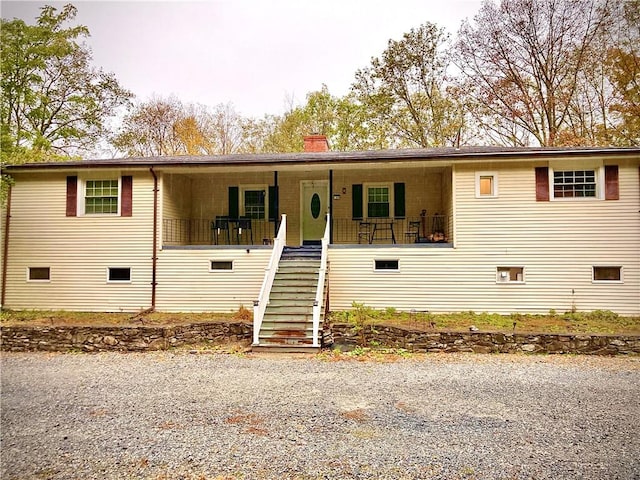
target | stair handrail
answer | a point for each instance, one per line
(260, 305)
(317, 304)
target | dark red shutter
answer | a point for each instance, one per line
(542, 184)
(127, 196)
(611, 189)
(72, 196)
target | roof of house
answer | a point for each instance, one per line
(364, 156)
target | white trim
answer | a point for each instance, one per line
(494, 184)
(575, 165)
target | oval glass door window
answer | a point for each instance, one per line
(315, 205)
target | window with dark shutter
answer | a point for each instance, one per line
(126, 209)
(234, 202)
(356, 201)
(542, 184)
(72, 196)
(398, 200)
(611, 188)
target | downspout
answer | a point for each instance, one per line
(154, 258)
(5, 249)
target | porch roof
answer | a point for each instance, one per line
(442, 155)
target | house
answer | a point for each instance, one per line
(491, 229)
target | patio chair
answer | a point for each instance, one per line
(413, 232)
(220, 226)
(243, 225)
(364, 232)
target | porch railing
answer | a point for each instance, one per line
(260, 305)
(198, 231)
(317, 304)
(378, 231)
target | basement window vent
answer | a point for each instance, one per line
(221, 265)
(386, 265)
(607, 274)
(119, 274)
(510, 275)
(39, 274)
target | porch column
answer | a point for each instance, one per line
(331, 206)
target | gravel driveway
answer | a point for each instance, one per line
(206, 416)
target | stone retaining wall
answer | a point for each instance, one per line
(147, 338)
(345, 335)
(120, 339)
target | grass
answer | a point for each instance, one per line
(66, 318)
(599, 321)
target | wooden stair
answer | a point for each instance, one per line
(287, 326)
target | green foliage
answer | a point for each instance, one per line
(52, 98)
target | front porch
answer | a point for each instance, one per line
(426, 230)
(388, 205)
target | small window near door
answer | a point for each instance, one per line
(119, 274)
(607, 274)
(39, 274)
(486, 184)
(386, 265)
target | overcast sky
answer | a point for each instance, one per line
(256, 54)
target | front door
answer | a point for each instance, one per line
(315, 205)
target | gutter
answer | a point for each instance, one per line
(154, 258)
(5, 249)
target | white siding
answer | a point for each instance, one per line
(185, 283)
(557, 242)
(78, 250)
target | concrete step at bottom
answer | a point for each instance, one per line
(285, 349)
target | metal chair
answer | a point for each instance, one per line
(220, 225)
(364, 232)
(243, 225)
(413, 231)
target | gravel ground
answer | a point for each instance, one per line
(213, 416)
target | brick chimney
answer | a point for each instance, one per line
(316, 143)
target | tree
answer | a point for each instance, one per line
(162, 126)
(522, 61)
(53, 99)
(404, 92)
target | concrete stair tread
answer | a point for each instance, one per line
(284, 349)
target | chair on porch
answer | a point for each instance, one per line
(364, 232)
(220, 226)
(243, 227)
(413, 232)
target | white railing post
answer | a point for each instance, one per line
(260, 305)
(317, 304)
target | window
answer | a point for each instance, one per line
(221, 265)
(119, 274)
(39, 274)
(101, 196)
(574, 183)
(254, 202)
(378, 201)
(387, 265)
(486, 184)
(607, 274)
(510, 275)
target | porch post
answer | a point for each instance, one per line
(276, 222)
(330, 219)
